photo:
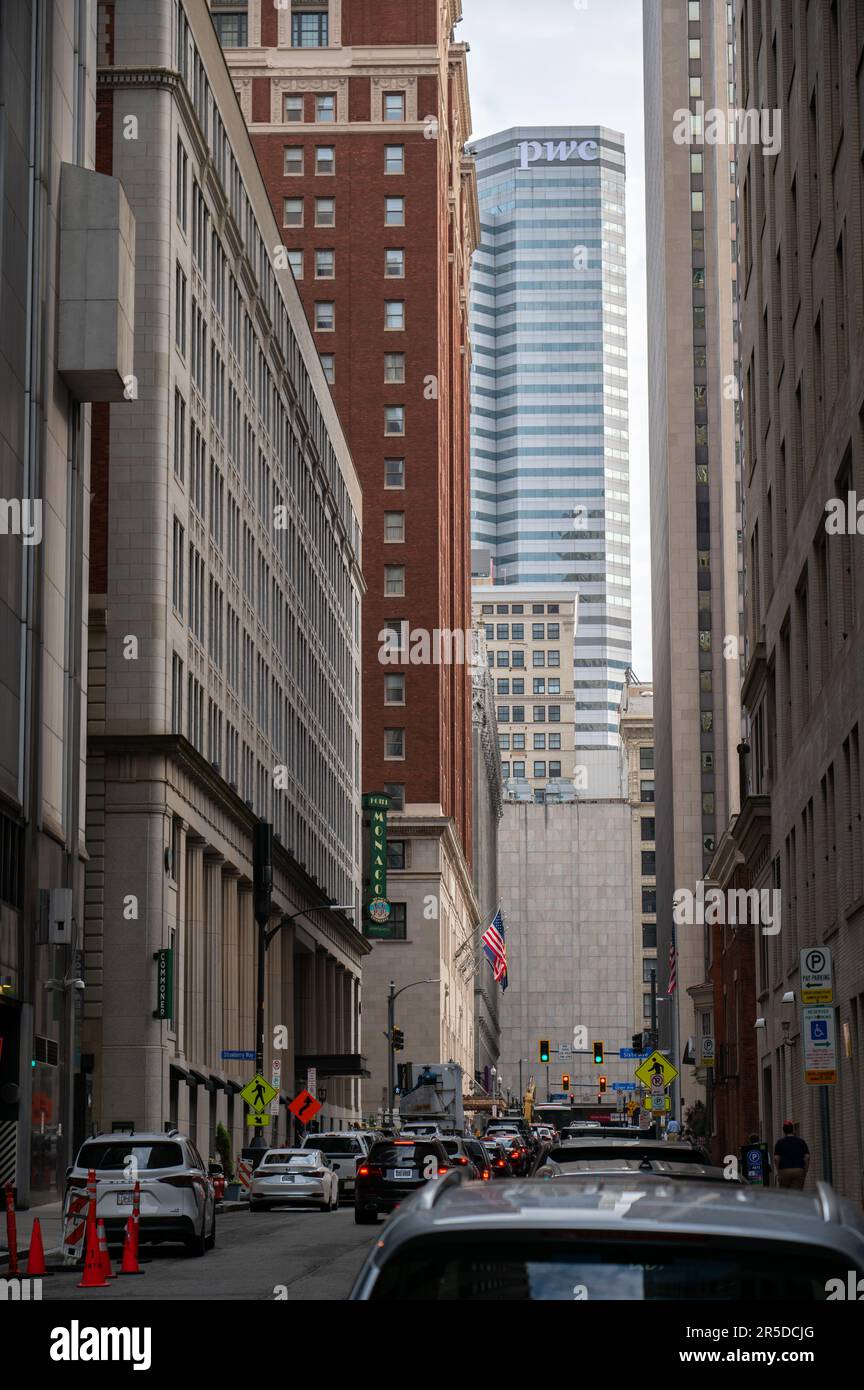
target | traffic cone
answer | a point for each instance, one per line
(130, 1250)
(94, 1272)
(103, 1250)
(36, 1253)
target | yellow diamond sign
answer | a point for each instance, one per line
(258, 1093)
(656, 1065)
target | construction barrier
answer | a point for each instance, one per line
(244, 1176)
(79, 1209)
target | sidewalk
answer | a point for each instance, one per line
(51, 1220)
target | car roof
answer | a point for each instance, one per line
(660, 1167)
(621, 1144)
(127, 1136)
(629, 1202)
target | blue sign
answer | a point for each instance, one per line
(559, 1098)
(237, 1056)
(623, 1085)
(631, 1052)
(819, 1030)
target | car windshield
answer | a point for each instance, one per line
(290, 1156)
(401, 1155)
(572, 1153)
(487, 1268)
(339, 1144)
(115, 1156)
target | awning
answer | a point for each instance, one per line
(332, 1064)
(219, 1082)
(200, 1078)
(180, 1073)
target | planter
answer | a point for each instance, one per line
(233, 1192)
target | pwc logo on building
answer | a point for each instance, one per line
(561, 151)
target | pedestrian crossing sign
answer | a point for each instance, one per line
(258, 1093)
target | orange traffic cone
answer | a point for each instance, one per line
(36, 1253)
(94, 1272)
(130, 1250)
(103, 1250)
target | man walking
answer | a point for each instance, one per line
(791, 1158)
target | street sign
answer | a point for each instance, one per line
(706, 1050)
(236, 1055)
(559, 1097)
(564, 1050)
(305, 1107)
(276, 1066)
(819, 1026)
(257, 1121)
(817, 985)
(623, 1085)
(644, 1119)
(312, 1080)
(656, 1065)
(658, 1085)
(258, 1093)
(632, 1053)
(657, 1102)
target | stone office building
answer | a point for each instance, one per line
(224, 628)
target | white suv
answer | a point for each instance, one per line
(177, 1198)
(345, 1149)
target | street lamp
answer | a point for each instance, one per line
(392, 996)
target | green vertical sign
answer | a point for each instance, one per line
(377, 804)
(164, 983)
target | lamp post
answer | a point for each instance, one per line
(262, 858)
(392, 996)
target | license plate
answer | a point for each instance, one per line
(124, 1199)
(287, 1177)
(403, 1172)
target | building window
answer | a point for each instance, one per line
(649, 867)
(646, 1006)
(538, 685)
(176, 694)
(394, 473)
(394, 159)
(552, 632)
(537, 632)
(394, 580)
(325, 316)
(502, 658)
(325, 212)
(540, 742)
(539, 714)
(518, 630)
(519, 769)
(518, 659)
(180, 310)
(292, 212)
(295, 260)
(328, 362)
(325, 159)
(177, 568)
(394, 106)
(325, 107)
(325, 264)
(504, 741)
(505, 770)
(309, 30)
(503, 714)
(394, 744)
(649, 900)
(394, 419)
(394, 367)
(394, 528)
(539, 769)
(232, 29)
(394, 314)
(396, 854)
(292, 106)
(502, 687)
(396, 793)
(555, 714)
(646, 757)
(554, 769)
(647, 827)
(649, 936)
(554, 740)
(518, 739)
(292, 161)
(394, 689)
(394, 263)
(554, 685)
(182, 168)
(179, 437)
(553, 658)
(646, 789)
(538, 658)
(394, 212)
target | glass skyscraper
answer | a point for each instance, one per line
(550, 491)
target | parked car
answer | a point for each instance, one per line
(392, 1171)
(345, 1149)
(618, 1238)
(294, 1176)
(177, 1201)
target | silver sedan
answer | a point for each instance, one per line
(292, 1177)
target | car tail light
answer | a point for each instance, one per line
(486, 1175)
(442, 1171)
(370, 1171)
(460, 1158)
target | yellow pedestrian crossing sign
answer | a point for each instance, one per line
(258, 1093)
(258, 1121)
(656, 1065)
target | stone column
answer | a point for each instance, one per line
(212, 965)
(190, 1003)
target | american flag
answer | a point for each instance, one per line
(495, 948)
(673, 973)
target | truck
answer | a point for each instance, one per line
(432, 1095)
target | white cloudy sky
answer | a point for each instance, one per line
(579, 62)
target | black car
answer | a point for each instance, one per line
(457, 1151)
(481, 1158)
(499, 1159)
(394, 1169)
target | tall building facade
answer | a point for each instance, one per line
(488, 808)
(54, 270)
(225, 592)
(802, 357)
(695, 480)
(528, 642)
(358, 115)
(637, 743)
(550, 490)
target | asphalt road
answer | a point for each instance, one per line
(294, 1255)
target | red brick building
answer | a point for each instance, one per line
(359, 112)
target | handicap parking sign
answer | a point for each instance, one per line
(819, 1030)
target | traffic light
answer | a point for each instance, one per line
(598, 1054)
(601, 1084)
(398, 1040)
(545, 1051)
(637, 1042)
(565, 1082)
